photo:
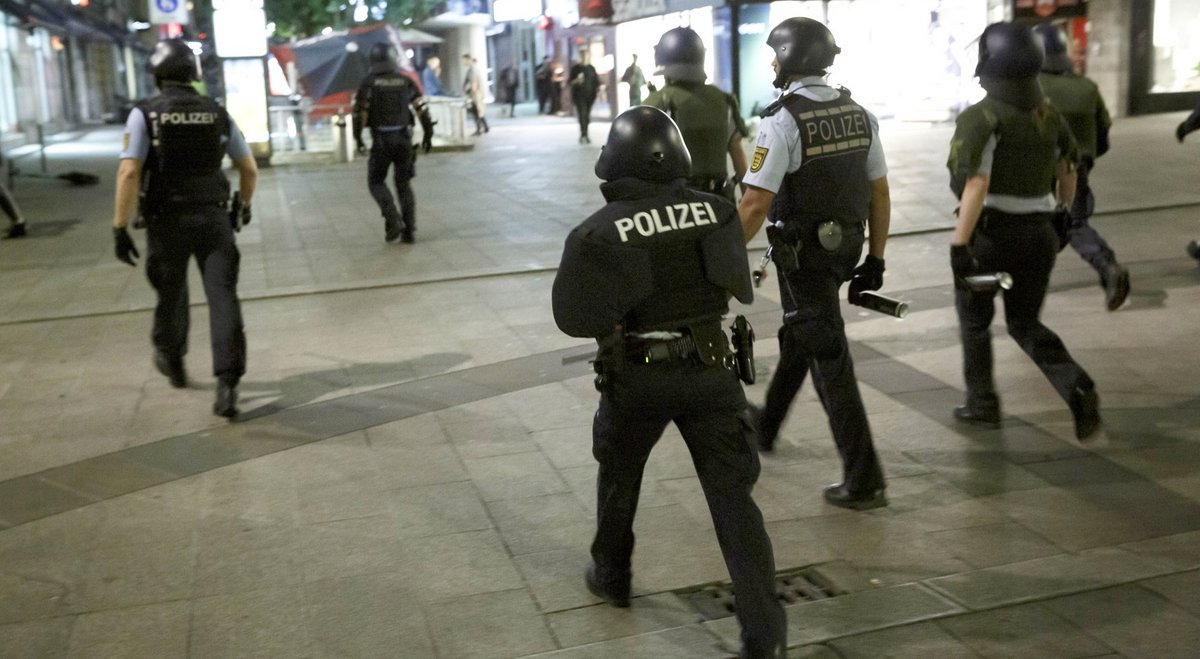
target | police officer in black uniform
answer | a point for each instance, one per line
(1012, 162)
(1079, 101)
(174, 145)
(386, 102)
(709, 118)
(649, 276)
(819, 171)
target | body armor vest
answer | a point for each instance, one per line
(1078, 99)
(682, 296)
(1023, 164)
(702, 113)
(188, 136)
(388, 98)
(831, 183)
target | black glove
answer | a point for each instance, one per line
(1181, 131)
(427, 140)
(246, 215)
(125, 246)
(866, 277)
(962, 263)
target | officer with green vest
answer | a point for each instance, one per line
(1181, 131)
(1079, 101)
(1012, 161)
(709, 118)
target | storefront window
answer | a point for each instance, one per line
(904, 59)
(1176, 46)
(639, 38)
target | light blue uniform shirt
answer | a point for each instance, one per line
(777, 149)
(137, 139)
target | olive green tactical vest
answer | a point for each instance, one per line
(1078, 99)
(703, 114)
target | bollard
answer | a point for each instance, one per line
(41, 137)
(343, 145)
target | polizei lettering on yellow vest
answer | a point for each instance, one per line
(675, 217)
(833, 130)
(187, 118)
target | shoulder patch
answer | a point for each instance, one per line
(760, 154)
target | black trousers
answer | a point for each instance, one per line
(1085, 240)
(813, 339)
(393, 149)
(583, 111)
(707, 405)
(173, 238)
(1024, 246)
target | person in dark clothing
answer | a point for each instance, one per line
(824, 183)
(541, 83)
(585, 84)
(1181, 131)
(649, 277)
(1079, 101)
(1012, 161)
(386, 102)
(510, 81)
(16, 221)
(176, 142)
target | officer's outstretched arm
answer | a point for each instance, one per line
(129, 176)
(247, 177)
(879, 216)
(752, 210)
(969, 208)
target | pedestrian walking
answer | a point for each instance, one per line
(1181, 131)
(1079, 101)
(558, 78)
(709, 118)
(653, 299)
(541, 83)
(1012, 160)
(473, 89)
(16, 221)
(174, 145)
(819, 168)
(431, 77)
(510, 80)
(634, 77)
(585, 84)
(386, 102)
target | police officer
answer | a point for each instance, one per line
(1079, 101)
(649, 276)
(1181, 131)
(174, 145)
(709, 118)
(386, 102)
(1012, 159)
(818, 168)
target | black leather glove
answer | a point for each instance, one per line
(1181, 131)
(962, 263)
(427, 141)
(246, 215)
(868, 276)
(126, 250)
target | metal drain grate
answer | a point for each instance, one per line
(718, 600)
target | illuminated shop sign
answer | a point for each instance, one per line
(515, 10)
(1043, 9)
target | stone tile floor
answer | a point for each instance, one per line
(412, 474)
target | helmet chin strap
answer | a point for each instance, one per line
(782, 80)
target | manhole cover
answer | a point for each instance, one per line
(719, 601)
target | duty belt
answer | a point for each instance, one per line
(714, 185)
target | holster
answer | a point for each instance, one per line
(785, 246)
(743, 348)
(610, 356)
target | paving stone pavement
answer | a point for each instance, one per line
(412, 475)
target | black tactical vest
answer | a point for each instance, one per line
(388, 96)
(188, 136)
(831, 183)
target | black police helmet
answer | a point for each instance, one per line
(1009, 50)
(803, 47)
(173, 59)
(679, 55)
(1054, 43)
(644, 143)
(384, 58)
